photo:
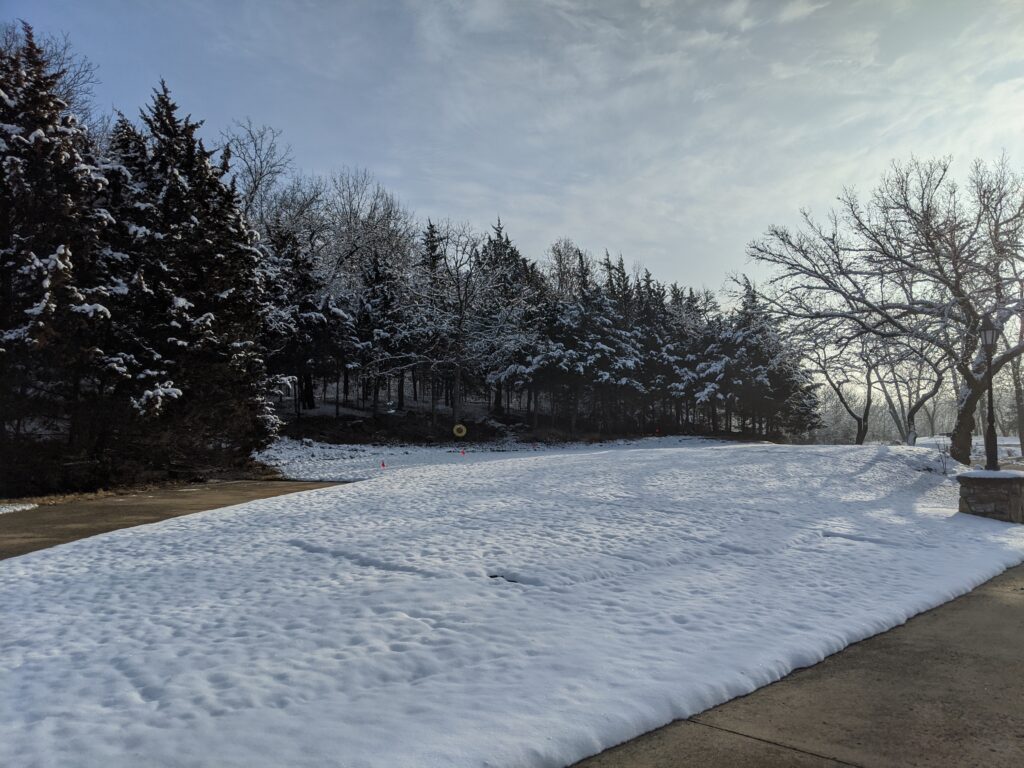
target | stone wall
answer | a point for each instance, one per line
(999, 495)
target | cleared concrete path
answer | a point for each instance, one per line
(51, 524)
(944, 689)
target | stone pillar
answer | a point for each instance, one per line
(996, 494)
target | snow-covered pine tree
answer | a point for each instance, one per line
(707, 351)
(508, 312)
(767, 388)
(447, 288)
(309, 325)
(619, 387)
(430, 312)
(380, 324)
(210, 265)
(297, 328)
(143, 290)
(656, 351)
(53, 278)
(686, 322)
(580, 350)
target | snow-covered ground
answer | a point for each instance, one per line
(1009, 446)
(521, 609)
(4, 508)
(309, 460)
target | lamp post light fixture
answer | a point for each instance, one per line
(989, 336)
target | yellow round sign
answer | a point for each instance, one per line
(459, 430)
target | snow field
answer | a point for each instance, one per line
(1007, 446)
(313, 461)
(523, 610)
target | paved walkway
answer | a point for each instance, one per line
(944, 689)
(51, 524)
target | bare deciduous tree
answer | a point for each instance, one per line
(920, 263)
(259, 163)
(847, 365)
(367, 218)
(908, 378)
(77, 75)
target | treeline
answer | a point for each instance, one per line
(158, 299)
(586, 344)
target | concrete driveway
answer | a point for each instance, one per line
(944, 689)
(50, 524)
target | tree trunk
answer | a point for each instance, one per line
(433, 401)
(401, 391)
(457, 395)
(963, 430)
(499, 406)
(929, 414)
(862, 431)
(922, 400)
(911, 432)
(308, 392)
(73, 422)
(897, 417)
(573, 414)
(864, 421)
(1000, 424)
(1018, 399)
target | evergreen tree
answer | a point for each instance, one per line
(53, 278)
(210, 268)
(624, 388)
(508, 314)
(308, 330)
(580, 349)
(657, 356)
(767, 388)
(142, 297)
(380, 324)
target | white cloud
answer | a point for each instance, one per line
(674, 131)
(798, 9)
(736, 13)
(675, 138)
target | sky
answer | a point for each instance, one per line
(673, 133)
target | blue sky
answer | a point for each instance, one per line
(670, 132)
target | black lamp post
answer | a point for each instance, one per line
(989, 336)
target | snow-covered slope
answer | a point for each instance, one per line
(1008, 446)
(524, 611)
(309, 460)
